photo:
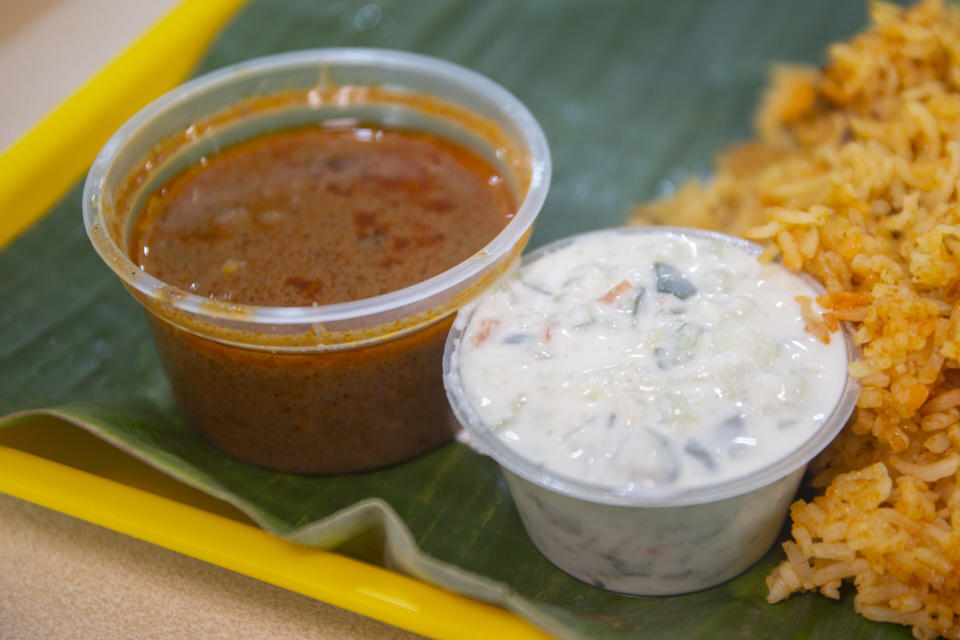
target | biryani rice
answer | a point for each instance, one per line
(853, 177)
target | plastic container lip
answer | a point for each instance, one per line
(640, 496)
(452, 74)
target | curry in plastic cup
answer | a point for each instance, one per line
(324, 388)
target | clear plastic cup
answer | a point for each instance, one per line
(321, 389)
(646, 540)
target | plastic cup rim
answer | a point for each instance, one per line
(640, 496)
(500, 245)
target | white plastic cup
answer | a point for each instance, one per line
(661, 541)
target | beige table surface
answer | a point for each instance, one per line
(64, 578)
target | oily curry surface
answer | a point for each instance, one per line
(319, 215)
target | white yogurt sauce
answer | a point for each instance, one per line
(649, 359)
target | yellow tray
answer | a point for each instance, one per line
(59, 466)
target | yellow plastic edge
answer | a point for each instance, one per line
(35, 172)
(38, 167)
(338, 580)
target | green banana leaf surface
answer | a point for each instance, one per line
(633, 96)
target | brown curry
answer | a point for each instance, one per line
(317, 216)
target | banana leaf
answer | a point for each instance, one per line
(633, 96)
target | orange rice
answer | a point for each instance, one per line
(853, 177)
